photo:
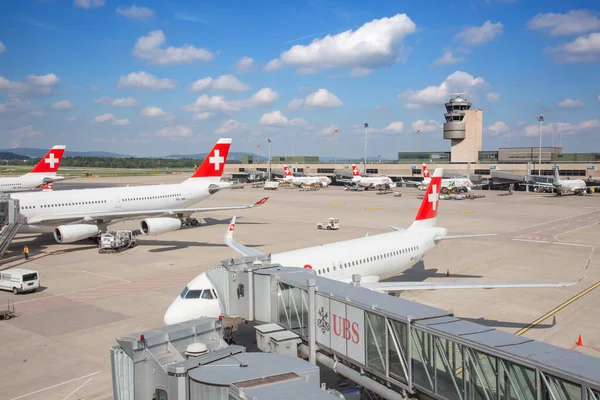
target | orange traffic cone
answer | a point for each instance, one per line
(579, 341)
(447, 272)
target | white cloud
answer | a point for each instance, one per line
(63, 105)
(174, 132)
(118, 102)
(89, 3)
(2, 108)
(37, 113)
(230, 126)
(295, 104)
(322, 99)
(71, 119)
(459, 81)
(121, 122)
(95, 88)
(492, 97)
(202, 116)
(243, 65)
(104, 118)
(563, 128)
(2, 47)
(136, 12)
(144, 80)
(497, 128)
(276, 118)
(430, 126)
(224, 82)
(262, 98)
(149, 48)
(447, 59)
(395, 127)
(153, 111)
(30, 86)
(329, 130)
(375, 44)
(571, 103)
(477, 35)
(571, 23)
(26, 131)
(599, 98)
(582, 49)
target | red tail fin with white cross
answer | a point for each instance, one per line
(49, 164)
(425, 171)
(427, 215)
(214, 163)
(355, 171)
(286, 171)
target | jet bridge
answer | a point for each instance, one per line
(10, 221)
(398, 348)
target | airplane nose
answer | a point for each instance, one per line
(174, 314)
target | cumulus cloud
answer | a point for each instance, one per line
(563, 128)
(150, 49)
(136, 12)
(375, 44)
(492, 97)
(430, 126)
(582, 49)
(174, 132)
(395, 127)
(459, 81)
(571, 103)
(230, 126)
(224, 82)
(262, 98)
(243, 65)
(23, 133)
(30, 86)
(599, 98)
(153, 111)
(2, 47)
(144, 80)
(447, 59)
(202, 116)
(276, 118)
(322, 99)
(106, 117)
(478, 35)
(118, 102)
(121, 122)
(87, 4)
(70, 119)
(295, 104)
(570, 23)
(497, 128)
(63, 105)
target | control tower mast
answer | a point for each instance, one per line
(464, 128)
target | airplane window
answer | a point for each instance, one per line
(183, 292)
(193, 294)
(327, 269)
(334, 267)
(207, 295)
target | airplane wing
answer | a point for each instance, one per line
(399, 286)
(463, 236)
(240, 248)
(83, 217)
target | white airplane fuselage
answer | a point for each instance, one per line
(368, 181)
(449, 183)
(106, 200)
(570, 185)
(28, 181)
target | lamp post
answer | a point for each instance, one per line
(269, 160)
(366, 134)
(335, 146)
(540, 118)
(419, 140)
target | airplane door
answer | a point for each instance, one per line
(118, 203)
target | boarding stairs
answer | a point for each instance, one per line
(10, 221)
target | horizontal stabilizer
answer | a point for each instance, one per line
(464, 236)
(396, 228)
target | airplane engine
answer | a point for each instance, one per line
(324, 184)
(158, 226)
(74, 233)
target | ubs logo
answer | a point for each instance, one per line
(323, 320)
(345, 329)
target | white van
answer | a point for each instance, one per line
(19, 280)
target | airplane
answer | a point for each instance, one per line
(370, 182)
(374, 257)
(44, 172)
(324, 181)
(562, 186)
(448, 185)
(78, 214)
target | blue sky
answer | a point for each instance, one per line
(162, 77)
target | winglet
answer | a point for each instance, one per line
(259, 203)
(229, 233)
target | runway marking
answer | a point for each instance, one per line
(468, 211)
(463, 271)
(372, 208)
(55, 386)
(337, 204)
(564, 234)
(79, 387)
(495, 260)
(559, 243)
(107, 276)
(557, 309)
(523, 251)
(554, 220)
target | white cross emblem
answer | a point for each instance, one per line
(51, 160)
(433, 197)
(216, 160)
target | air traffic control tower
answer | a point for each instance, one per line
(464, 128)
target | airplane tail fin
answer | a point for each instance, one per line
(47, 187)
(214, 163)
(556, 174)
(427, 214)
(355, 171)
(425, 171)
(286, 171)
(49, 164)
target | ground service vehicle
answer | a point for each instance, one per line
(19, 280)
(331, 224)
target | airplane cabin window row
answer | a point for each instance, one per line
(153, 197)
(77, 203)
(369, 259)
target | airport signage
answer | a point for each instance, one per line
(341, 328)
(591, 167)
(492, 167)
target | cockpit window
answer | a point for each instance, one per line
(183, 292)
(207, 294)
(193, 294)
